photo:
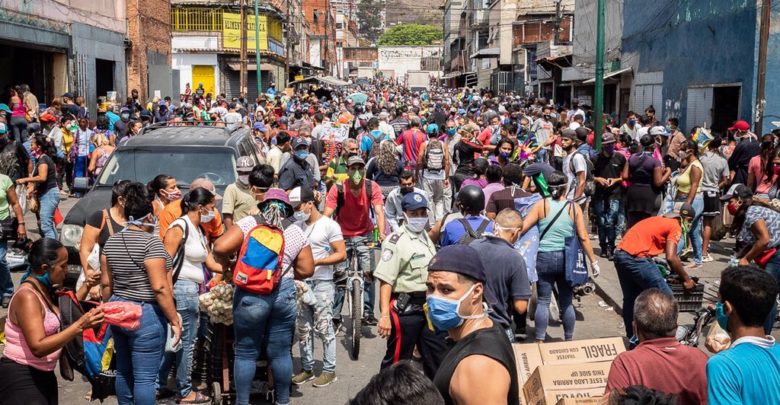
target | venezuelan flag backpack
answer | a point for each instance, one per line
(259, 266)
(92, 353)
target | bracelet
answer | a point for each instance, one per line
(384, 316)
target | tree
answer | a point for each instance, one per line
(411, 34)
(369, 15)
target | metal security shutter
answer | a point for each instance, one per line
(699, 107)
(233, 84)
(647, 95)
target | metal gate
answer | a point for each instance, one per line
(502, 81)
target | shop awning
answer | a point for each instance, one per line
(608, 75)
(486, 53)
(322, 79)
(249, 67)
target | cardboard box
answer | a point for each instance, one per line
(582, 351)
(583, 401)
(549, 383)
(527, 359)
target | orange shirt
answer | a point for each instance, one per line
(172, 211)
(648, 237)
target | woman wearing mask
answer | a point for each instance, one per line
(18, 112)
(385, 168)
(9, 209)
(135, 269)
(43, 184)
(757, 226)
(647, 176)
(557, 220)
(761, 175)
(689, 190)
(164, 190)
(100, 155)
(254, 315)
(33, 332)
(186, 234)
(502, 155)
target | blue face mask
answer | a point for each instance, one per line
(721, 316)
(504, 155)
(44, 280)
(301, 154)
(444, 313)
(452, 131)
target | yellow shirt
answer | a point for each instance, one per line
(684, 179)
(67, 140)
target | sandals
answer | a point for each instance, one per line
(199, 399)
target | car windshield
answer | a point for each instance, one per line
(184, 164)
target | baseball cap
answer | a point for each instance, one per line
(259, 126)
(4, 107)
(202, 182)
(355, 160)
(300, 195)
(460, 259)
(245, 164)
(607, 138)
(659, 130)
(740, 125)
(68, 95)
(413, 201)
(298, 142)
(737, 190)
(569, 133)
(685, 211)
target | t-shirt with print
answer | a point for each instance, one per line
(125, 253)
(294, 242)
(579, 165)
(239, 202)
(357, 221)
(320, 235)
(771, 219)
(5, 207)
(648, 237)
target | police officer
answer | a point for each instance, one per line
(402, 272)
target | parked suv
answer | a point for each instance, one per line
(185, 152)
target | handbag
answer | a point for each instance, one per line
(575, 262)
(8, 228)
(765, 257)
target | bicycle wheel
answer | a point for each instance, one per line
(357, 316)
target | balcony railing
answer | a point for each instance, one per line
(196, 19)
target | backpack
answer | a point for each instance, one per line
(259, 265)
(590, 187)
(375, 141)
(9, 161)
(434, 156)
(471, 234)
(91, 353)
(340, 198)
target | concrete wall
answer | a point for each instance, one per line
(772, 110)
(585, 16)
(105, 14)
(402, 59)
(694, 43)
(90, 43)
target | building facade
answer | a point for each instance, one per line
(396, 61)
(149, 53)
(321, 19)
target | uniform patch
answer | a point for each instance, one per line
(394, 238)
(387, 254)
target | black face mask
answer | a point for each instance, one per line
(405, 191)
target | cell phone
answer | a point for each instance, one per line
(402, 302)
(170, 347)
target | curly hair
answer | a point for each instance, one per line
(387, 158)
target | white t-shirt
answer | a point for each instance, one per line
(195, 251)
(640, 133)
(579, 166)
(320, 235)
(574, 125)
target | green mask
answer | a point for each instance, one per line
(357, 176)
(73, 128)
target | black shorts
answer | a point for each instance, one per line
(711, 204)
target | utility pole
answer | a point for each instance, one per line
(766, 9)
(557, 22)
(598, 93)
(242, 76)
(257, 48)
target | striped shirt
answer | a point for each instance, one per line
(125, 252)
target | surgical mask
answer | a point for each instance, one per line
(444, 313)
(301, 154)
(45, 280)
(73, 128)
(3, 128)
(682, 155)
(416, 224)
(721, 316)
(631, 123)
(451, 131)
(243, 180)
(173, 195)
(357, 177)
(405, 191)
(140, 222)
(301, 216)
(125, 116)
(776, 169)
(206, 218)
(732, 207)
(504, 155)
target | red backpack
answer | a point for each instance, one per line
(259, 266)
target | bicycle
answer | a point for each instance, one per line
(689, 335)
(354, 295)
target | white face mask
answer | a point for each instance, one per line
(301, 216)
(206, 218)
(415, 224)
(243, 180)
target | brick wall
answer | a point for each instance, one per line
(149, 30)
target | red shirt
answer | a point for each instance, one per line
(665, 365)
(485, 135)
(411, 139)
(647, 238)
(355, 218)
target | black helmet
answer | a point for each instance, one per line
(471, 199)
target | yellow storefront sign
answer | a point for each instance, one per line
(231, 31)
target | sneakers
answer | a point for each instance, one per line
(707, 259)
(369, 320)
(693, 266)
(325, 379)
(303, 377)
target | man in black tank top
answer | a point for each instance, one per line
(480, 368)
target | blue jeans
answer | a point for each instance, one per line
(48, 203)
(254, 317)
(695, 232)
(635, 275)
(6, 283)
(317, 320)
(356, 245)
(138, 354)
(186, 294)
(552, 271)
(773, 268)
(607, 212)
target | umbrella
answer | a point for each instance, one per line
(358, 98)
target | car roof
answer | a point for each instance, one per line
(185, 135)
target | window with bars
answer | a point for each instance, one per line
(198, 19)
